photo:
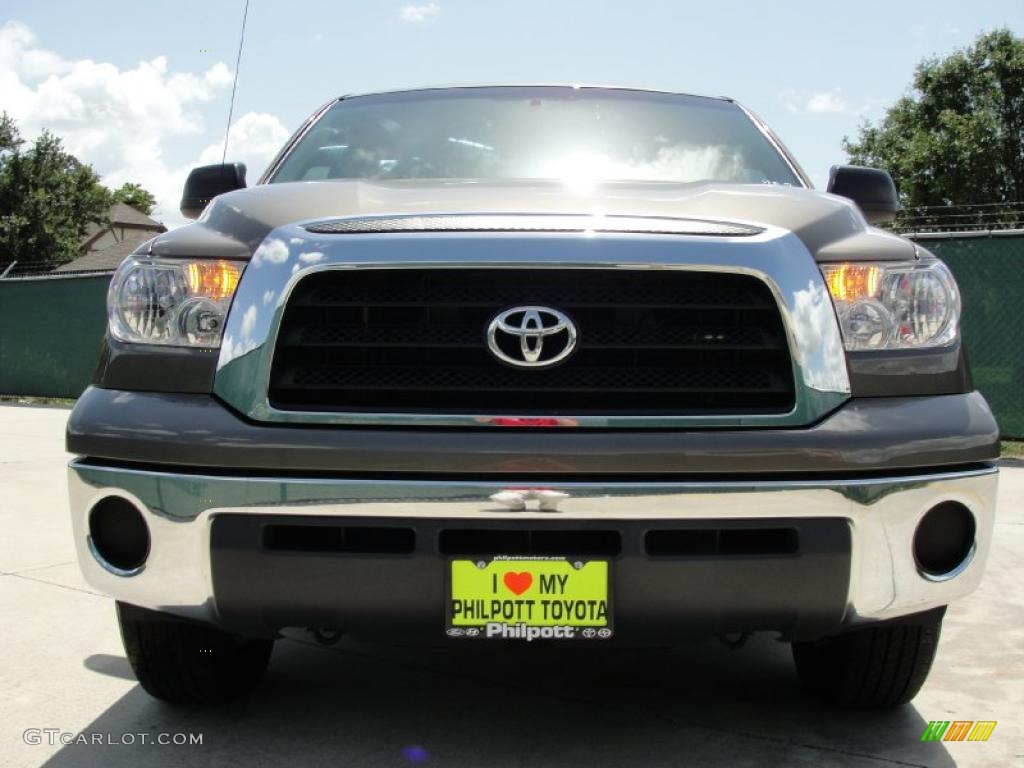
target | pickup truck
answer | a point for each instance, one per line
(533, 365)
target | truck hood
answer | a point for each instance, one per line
(831, 227)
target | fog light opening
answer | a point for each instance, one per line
(944, 540)
(118, 536)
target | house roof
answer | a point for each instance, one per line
(124, 216)
(106, 260)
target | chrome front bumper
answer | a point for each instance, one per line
(882, 514)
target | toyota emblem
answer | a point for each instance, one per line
(531, 337)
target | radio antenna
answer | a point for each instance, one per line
(234, 86)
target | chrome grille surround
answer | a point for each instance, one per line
(774, 256)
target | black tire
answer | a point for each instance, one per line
(876, 667)
(184, 662)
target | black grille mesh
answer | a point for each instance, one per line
(651, 342)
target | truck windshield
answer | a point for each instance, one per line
(571, 134)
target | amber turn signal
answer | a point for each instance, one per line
(849, 282)
(214, 279)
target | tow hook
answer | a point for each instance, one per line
(326, 636)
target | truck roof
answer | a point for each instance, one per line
(579, 86)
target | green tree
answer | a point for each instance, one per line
(136, 196)
(47, 198)
(957, 138)
(9, 137)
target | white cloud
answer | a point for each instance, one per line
(417, 14)
(254, 138)
(820, 103)
(820, 343)
(121, 120)
(274, 250)
(827, 102)
(249, 321)
(18, 54)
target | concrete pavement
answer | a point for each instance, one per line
(363, 705)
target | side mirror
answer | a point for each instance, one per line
(205, 183)
(871, 189)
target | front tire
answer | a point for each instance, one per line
(184, 662)
(875, 667)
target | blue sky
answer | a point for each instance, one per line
(141, 89)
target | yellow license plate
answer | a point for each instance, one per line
(529, 599)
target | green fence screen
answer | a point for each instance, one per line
(990, 272)
(51, 328)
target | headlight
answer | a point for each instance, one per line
(176, 302)
(894, 306)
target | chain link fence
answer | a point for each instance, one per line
(44, 269)
(51, 330)
(989, 268)
(959, 219)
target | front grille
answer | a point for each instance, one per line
(650, 342)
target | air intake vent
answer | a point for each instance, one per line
(726, 542)
(335, 538)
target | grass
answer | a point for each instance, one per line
(1013, 448)
(58, 402)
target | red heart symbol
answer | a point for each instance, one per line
(518, 582)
